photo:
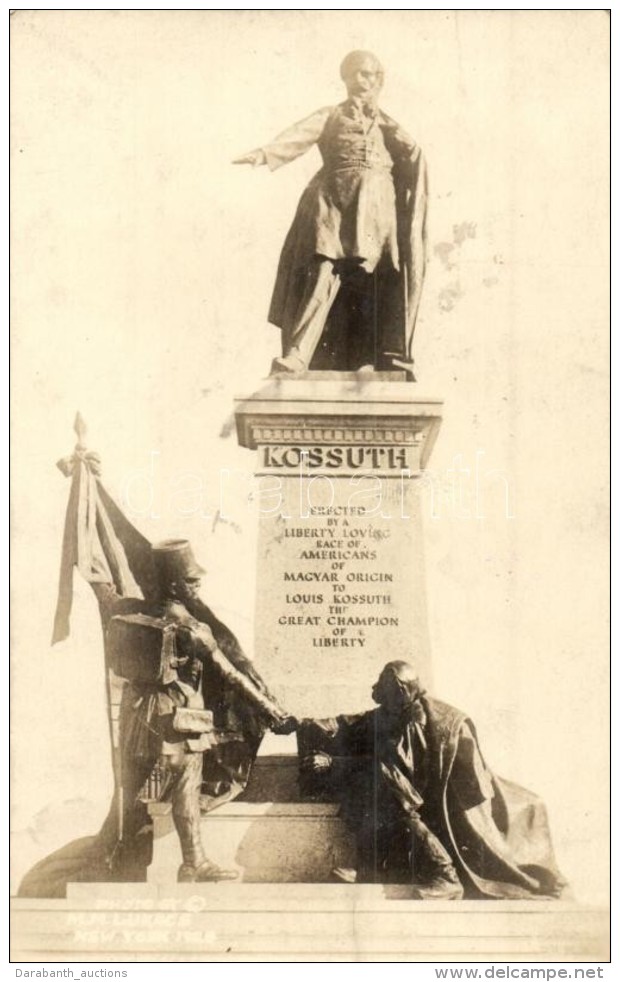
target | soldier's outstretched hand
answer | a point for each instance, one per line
(285, 725)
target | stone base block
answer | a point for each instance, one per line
(267, 842)
(274, 776)
(246, 922)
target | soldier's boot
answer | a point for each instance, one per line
(195, 868)
(205, 872)
(436, 876)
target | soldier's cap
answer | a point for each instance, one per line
(175, 560)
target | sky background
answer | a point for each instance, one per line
(142, 268)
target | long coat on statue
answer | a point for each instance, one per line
(496, 832)
(367, 204)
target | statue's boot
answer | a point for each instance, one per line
(402, 364)
(445, 885)
(196, 868)
(344, 874)
(291, 364)
(205, 872)
(186, 775)
(432, 865)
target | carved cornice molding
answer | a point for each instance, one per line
(330, 415)
(370, 434)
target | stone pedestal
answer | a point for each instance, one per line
(302, 922)
(269, 834)
(340, 579)
(267, 842)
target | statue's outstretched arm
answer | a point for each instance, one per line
(207, 649)
(290, 144)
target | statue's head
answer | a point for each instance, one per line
(362, 73)
(397, 687)
(178, 574)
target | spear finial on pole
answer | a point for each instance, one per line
(81, 430)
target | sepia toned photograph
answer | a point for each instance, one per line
(310, 440)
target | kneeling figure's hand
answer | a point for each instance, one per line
(316, 763)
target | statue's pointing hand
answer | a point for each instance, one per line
(256, 158)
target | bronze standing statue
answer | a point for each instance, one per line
(350, 275)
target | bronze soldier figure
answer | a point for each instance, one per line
(187, 709)
(166, 654)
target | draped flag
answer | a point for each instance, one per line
(98, 539)
(109, 552)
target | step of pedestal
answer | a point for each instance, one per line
(266, 842)
(297, 922)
